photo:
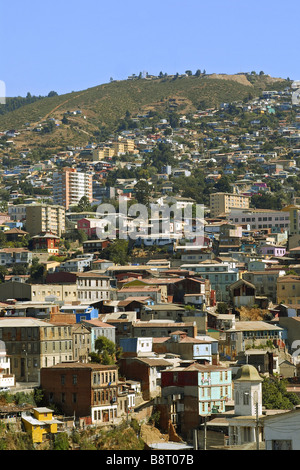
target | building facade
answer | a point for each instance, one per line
(191, 394)
(83, 390)
(222, 203)
(93, 287)
(69, 186)
(42, 218)
(260, 218)
(32, 344)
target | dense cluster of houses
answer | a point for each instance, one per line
(199, 323)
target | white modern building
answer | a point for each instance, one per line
(260, 218)
(69, 186)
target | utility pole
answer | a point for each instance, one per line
(196, 439)
(257, 428)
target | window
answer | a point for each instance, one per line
(74, 379)
(282, 445)
(246, 398)
(63, 379)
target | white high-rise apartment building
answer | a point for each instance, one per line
(70, 185)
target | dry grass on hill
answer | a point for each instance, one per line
(252, 314)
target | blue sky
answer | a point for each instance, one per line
(73, 45)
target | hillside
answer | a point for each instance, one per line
(102, 106)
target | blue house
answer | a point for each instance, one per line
(82, 311)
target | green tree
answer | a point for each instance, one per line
(61, 441)
(107, 352)
(275, 395)
(19, 269)
(3, 273)
(142, 192)
(117, 251)
(37, 271)
(223, 185)
(81, 236)
(83, 205)
(222, 308)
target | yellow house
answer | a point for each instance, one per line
(288, 290)
(41, 423)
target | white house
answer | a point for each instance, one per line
(282, 431)
(93, 286)
(7, 380)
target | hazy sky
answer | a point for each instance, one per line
(73, 45)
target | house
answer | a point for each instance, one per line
(91, 226)
(33, 344)
(81, 311)
(15, 234)
(136, 346)
(12, 256)
(155, 293)
(220, 274)
(76, 265)
(242, 293)
(203, 350)
(83, 390)
(46, 242)
(147, 371)
(162, 329)
(122, 321)
(288, 289)
(7, 380)
(95, 246)
(166, 311)
(81, 343)
(192, 393)
(22, 291)
(101, 264)
(41, 424)
(93, 286)
(266, 361)
(246, 334)
(265, 281)
(272, 250)
(98, 329)
(291, 332)
(279, 430)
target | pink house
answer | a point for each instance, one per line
(273, 250)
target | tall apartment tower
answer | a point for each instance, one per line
(45, 218)
(69, 186)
